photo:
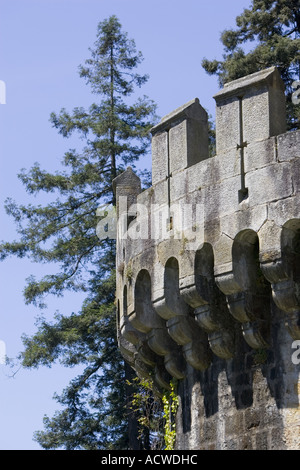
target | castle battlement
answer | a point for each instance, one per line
(208, 258)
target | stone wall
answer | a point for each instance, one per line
(249, 402)
(208, 268)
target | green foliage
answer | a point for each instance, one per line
(260, 356)
(274, 28)
(149, 410)
(156, 414)
(170, 404)
(62, 233)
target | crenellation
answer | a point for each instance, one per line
(208, 276)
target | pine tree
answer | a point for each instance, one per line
(115, 132)
(274, 28)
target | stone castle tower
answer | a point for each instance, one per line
(208, 269)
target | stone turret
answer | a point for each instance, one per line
(208, 276)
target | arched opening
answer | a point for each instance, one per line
(287, 294)
(204, 271)
(245, 256)
(212, 313)
(251, 304)
(171, 284)
(143, 289)
(144, 317)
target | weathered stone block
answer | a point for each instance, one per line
(251, 218)
(284, 209)
(296, 175)
(212, 171)
(260, 154)
(221, 199)
(289, 146)
(270, 183)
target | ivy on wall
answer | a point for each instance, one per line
(170, 404)
(156, 414)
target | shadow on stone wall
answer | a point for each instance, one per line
(241, 399)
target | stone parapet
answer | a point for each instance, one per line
(210, 254)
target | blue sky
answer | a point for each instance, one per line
(42, 43)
